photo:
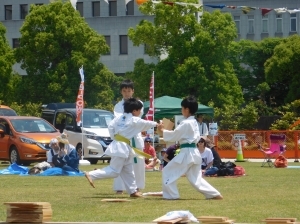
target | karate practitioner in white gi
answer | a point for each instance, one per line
(127, 91)
(188, 161)
(122, 155)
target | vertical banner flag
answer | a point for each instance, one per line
(79, 101)
(150, 115)
(126, 2)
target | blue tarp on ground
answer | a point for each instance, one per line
(15, 169)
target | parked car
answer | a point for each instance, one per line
(7, 111)
(92, 136)
(25, 139)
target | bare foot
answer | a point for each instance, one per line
(86, 174)
(219, 197)
(136, 195)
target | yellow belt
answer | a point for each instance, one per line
(121, 138)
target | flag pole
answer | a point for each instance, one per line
(152, 78)
(79, 113)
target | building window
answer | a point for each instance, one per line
(8, 12)
(15, 42)
(123, 44)
(250, 24)
(265, 24)
(145, 48)
(293, 23)
(107, 39)
(278, 24)
(112, 8)
(237, 23)
(39, 4)
(23, 11)
(96, 8)
(130, 8)
(79, 8)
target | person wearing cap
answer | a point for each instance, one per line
(149, 149)
(202, 126)
(170, 153)
(63, 154)
(188, 161)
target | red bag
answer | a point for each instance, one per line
(239, 171)
(280, 162)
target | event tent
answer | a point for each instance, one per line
(168, 107)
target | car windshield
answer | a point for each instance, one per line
(32, 126)
(7, 112)
(92, 119)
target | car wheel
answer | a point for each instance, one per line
(14, 156)
(93, 161)
(79, 150)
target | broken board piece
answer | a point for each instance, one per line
(115, 200)
(212, 218)
(153, 193)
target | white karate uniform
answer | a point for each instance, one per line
(139, 166)
(121, 153)
(187, 162)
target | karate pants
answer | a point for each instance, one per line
(139, 172)
(118, 166)
(173, 171)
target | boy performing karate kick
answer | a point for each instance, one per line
(188, 161)
(122, 129)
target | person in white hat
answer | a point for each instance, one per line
(65, 155)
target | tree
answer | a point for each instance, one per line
(282, 69)
(196, 52)
(141, 82)
(290, 114)
(6, 62)
(248, 58)
(55, 42)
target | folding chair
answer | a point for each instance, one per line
(277, 147)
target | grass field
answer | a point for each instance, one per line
(262, 193)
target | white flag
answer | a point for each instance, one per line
(73, 3)
(106, 1)
(126, 1)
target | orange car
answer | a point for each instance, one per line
(7, 111)
(25, 139)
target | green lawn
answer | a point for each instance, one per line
(262, 193)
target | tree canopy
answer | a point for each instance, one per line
(196, 61)
(282, 68)
(6, 62)
(55, 43)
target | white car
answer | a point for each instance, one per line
(92, 135)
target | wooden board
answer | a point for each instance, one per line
(212, 218)
(274, 219)
(153, 194)
(115, 200)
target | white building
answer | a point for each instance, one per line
(114, 19)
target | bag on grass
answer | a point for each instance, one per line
(226, 169)
(239, 171)
(280, 162)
